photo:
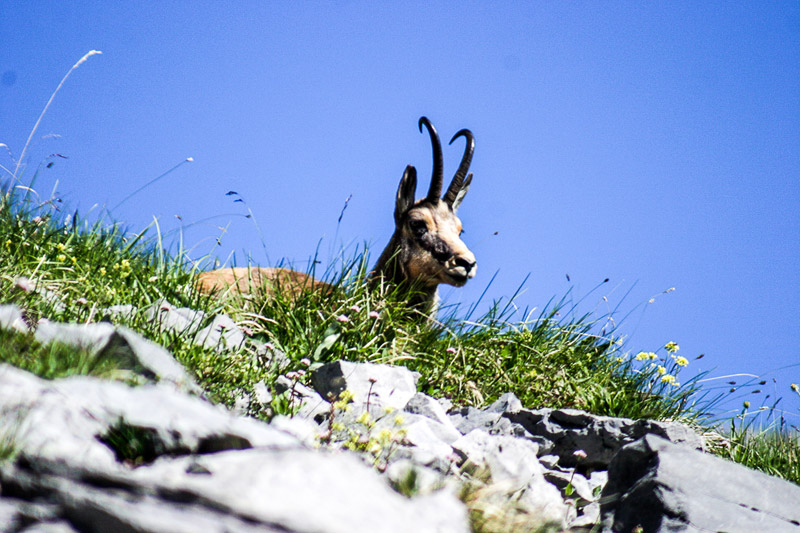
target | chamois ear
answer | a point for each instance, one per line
(462, 192)
(405, 193)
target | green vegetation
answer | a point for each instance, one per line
(67, 268)
(773, 449)
(133, 445)
(53, 360)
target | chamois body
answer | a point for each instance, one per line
(424, 251)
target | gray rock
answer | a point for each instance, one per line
(51, 527)
(248, 490)
(304, 401)
(565, 431)
(423, 480)
(253, 402)
(426, 441)
(130, 350)
(598, 480)
(505, 457)
(16, 514)
(579, 484)
(490, 419)
(422, 404)
(168, 317)
(68, 419)
(92, 502)
(124, 311)
(222, 335)
(515, 473)
(507, 403)
(468, 419)
(261, 394)
(11, 317)
(661, 486)
(445, 433)
(379, 385)
(303, 429)
(269, 356)
(549, 461)
(587, 517)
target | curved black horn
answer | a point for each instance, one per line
(458, 179)
(437, 176)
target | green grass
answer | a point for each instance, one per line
(554, 360)
(71, 269)
(51, 361)
(761, 443)
(68, 269)
(774, 451)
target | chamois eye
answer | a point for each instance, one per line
(419, 227)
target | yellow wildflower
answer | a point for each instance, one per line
(672, 347)
(667, 378)
(681, 361)
(662, 371)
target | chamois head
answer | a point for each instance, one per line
(426, 248)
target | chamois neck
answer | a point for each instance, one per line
(391, 268)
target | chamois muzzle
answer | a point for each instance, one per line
(460, 268)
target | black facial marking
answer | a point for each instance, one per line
(436, 246)
(418, 227)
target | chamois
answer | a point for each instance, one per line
(425, 250)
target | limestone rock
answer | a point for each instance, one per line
(565, 431)
(74, 420)
(379, 385)
(257, 490)
(662, 486)
(130, 350)
(11, 317)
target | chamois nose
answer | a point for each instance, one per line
(443, 255)
(465, 263)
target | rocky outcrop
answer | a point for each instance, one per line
(98, 455)
(656, 485)
(259, 489)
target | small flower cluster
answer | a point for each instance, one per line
(123, 268)
(362, 435)
(644, 356)
(672, 347)
(355, 308)
(63, 254)
(666, 376)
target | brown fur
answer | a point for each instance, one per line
(250, 280)
(425, 250)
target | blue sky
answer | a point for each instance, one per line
(656, 145)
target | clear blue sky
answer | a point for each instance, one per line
(657, 144)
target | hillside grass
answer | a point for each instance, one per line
(65, 268)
